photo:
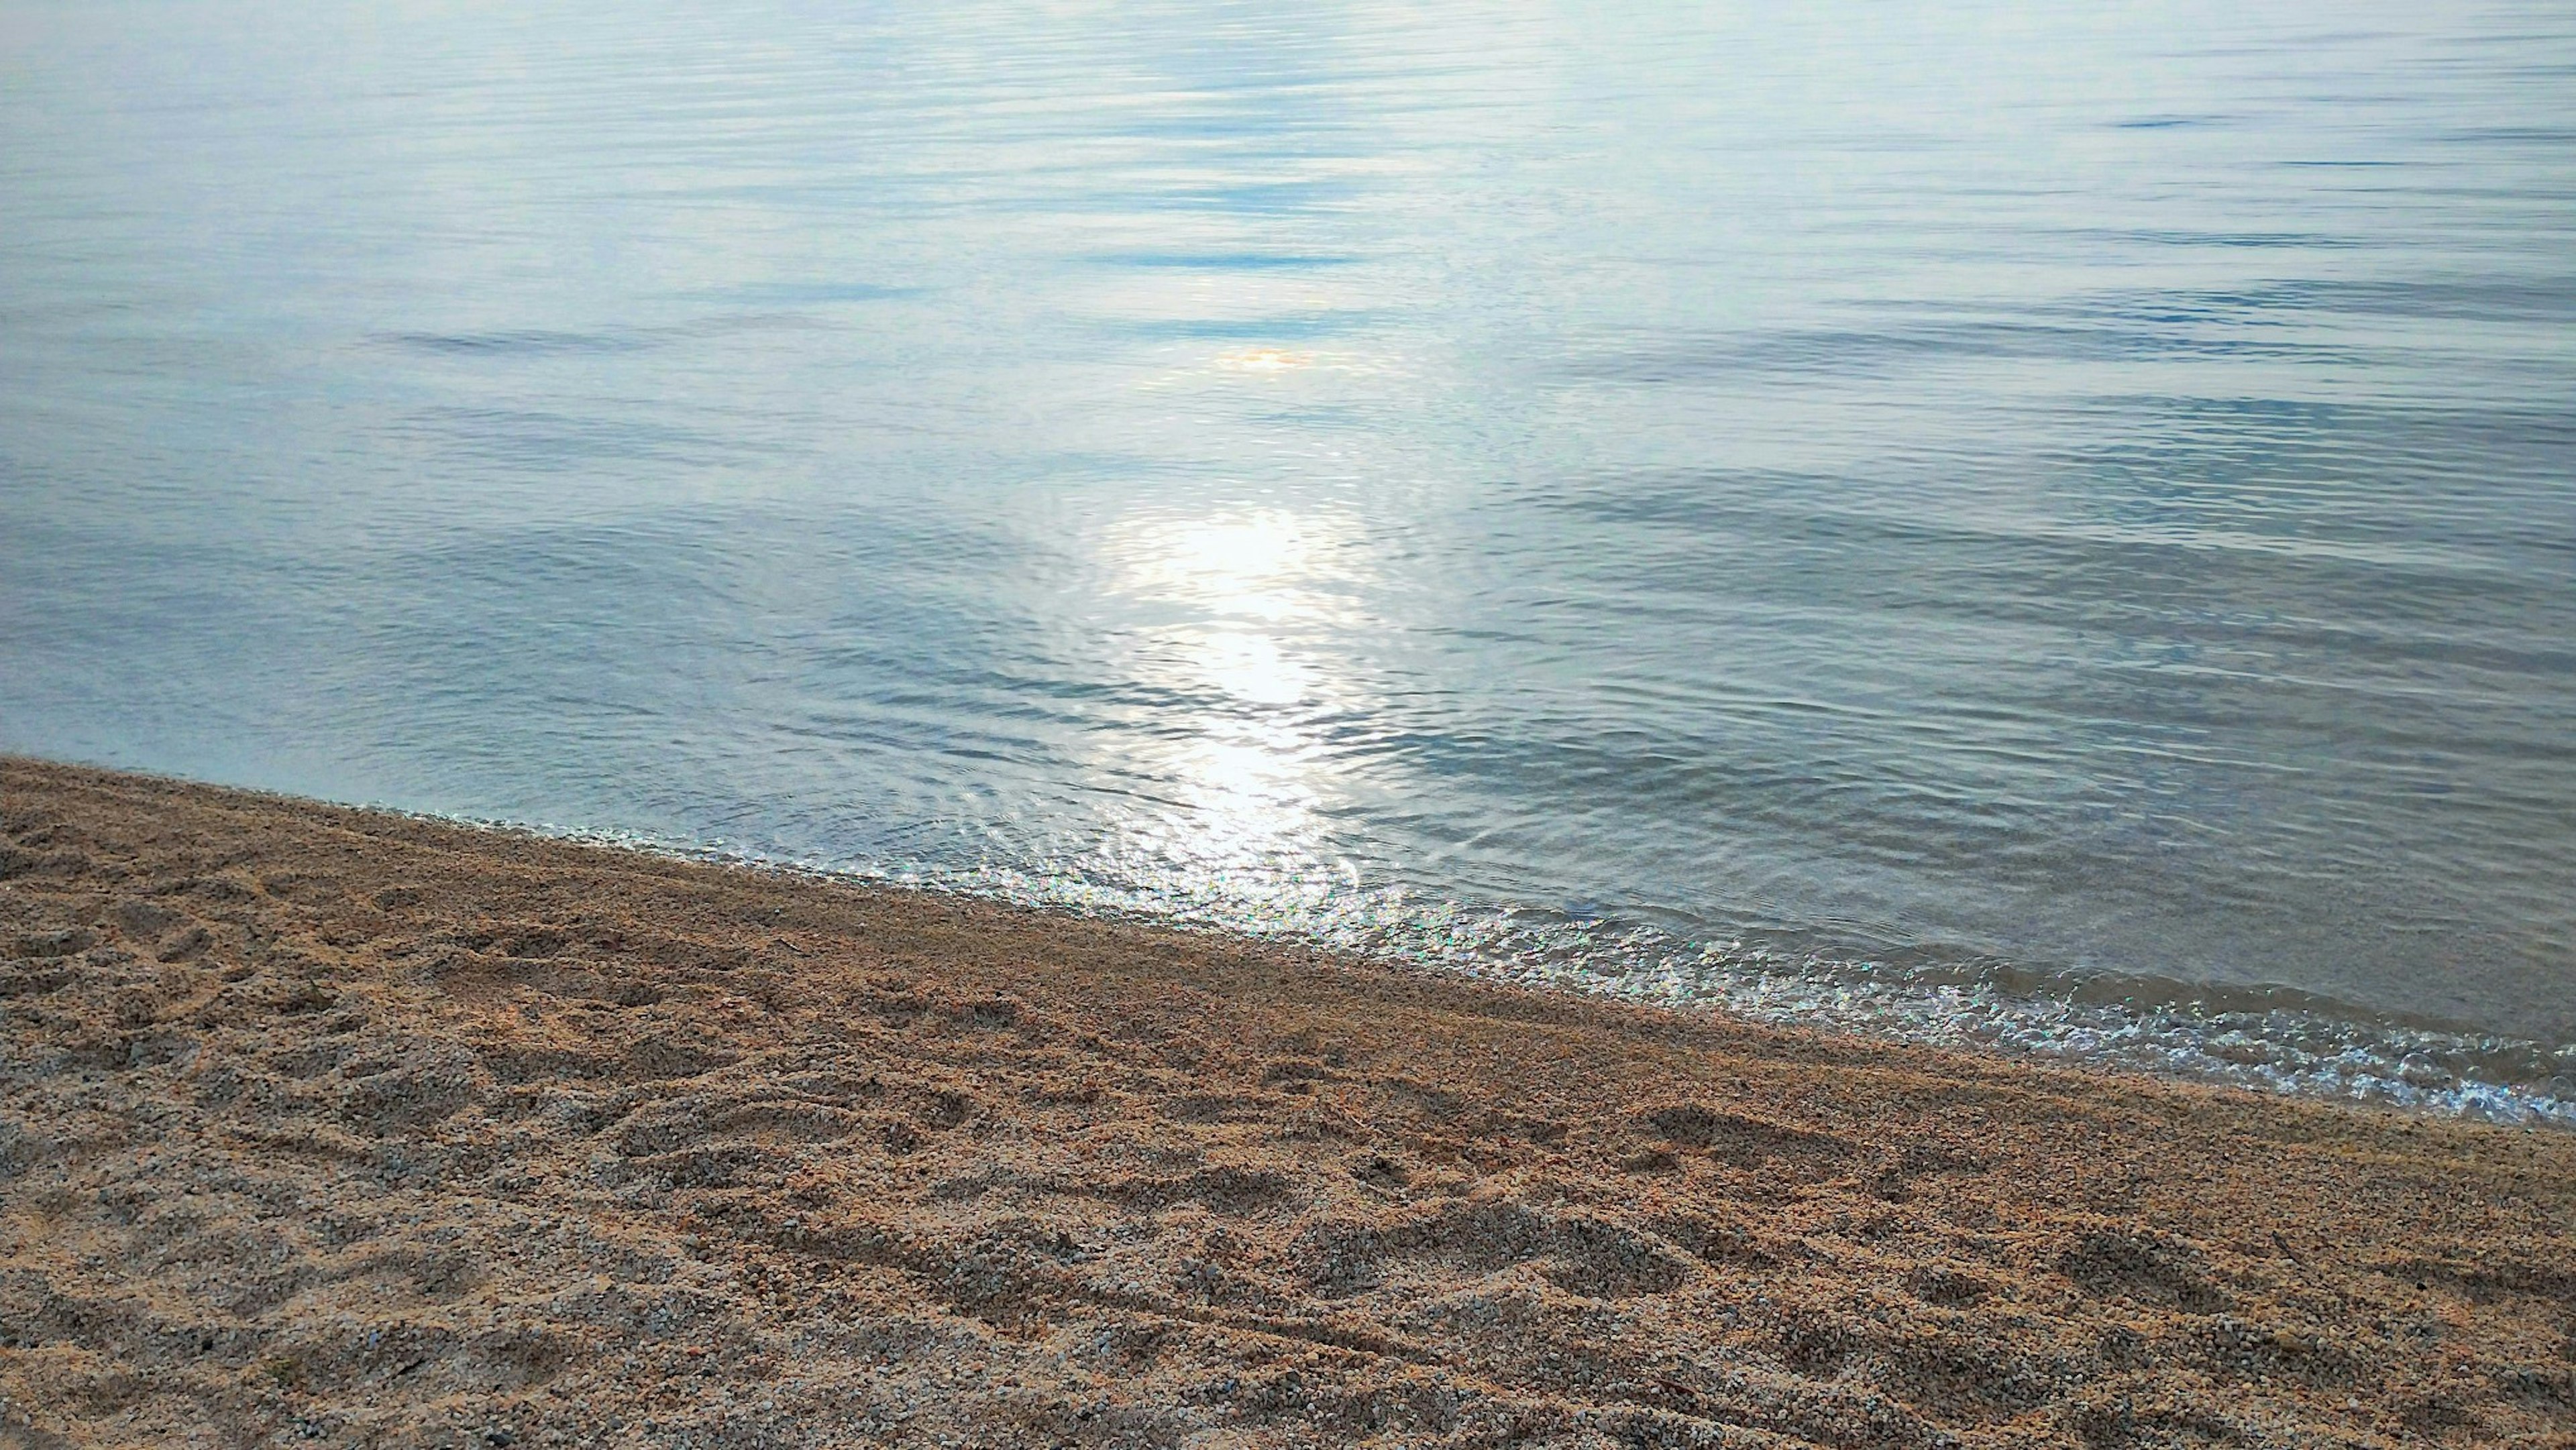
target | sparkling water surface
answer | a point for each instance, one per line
(2053, 526)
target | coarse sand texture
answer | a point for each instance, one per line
(329, 1125)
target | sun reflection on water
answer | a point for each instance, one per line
(1252, 668)
(1230, 792)
(1270, 565)
(1263, 360)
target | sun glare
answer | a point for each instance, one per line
(1263, 360)
(1230, 600)
(1262, 566)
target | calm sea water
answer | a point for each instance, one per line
(2038, 524)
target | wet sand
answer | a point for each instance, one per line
(323, 1124)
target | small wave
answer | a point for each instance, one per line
(519, 343)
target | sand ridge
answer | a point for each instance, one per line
(321, 1124)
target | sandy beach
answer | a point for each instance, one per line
(325, 1125)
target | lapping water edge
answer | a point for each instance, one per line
(2270, 1040)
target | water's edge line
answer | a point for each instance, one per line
(2110, 1039)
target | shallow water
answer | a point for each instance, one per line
(2043, 528)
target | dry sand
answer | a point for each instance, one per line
(329, 1125)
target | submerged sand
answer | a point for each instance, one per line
(318, 1124)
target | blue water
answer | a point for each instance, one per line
(1987, 522)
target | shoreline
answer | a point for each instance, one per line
(2306, 1045)
(420, 1133)
(2475, 1073)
